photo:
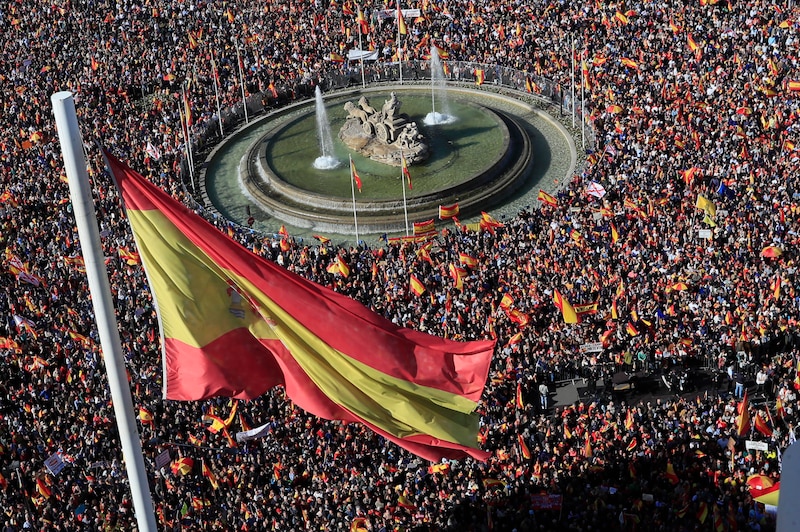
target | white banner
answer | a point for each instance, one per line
(392, 13)
(751, 445)
(252, 434)
(366, 55)
(593, 347)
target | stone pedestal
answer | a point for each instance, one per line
(383, 135)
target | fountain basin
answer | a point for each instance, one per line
(224, 193)
(476, 162)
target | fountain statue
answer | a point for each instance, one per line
(326, 160)
(383, 134)
(438, 90)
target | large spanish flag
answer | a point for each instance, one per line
(234, 324)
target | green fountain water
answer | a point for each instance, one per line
(457, 151)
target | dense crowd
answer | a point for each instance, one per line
(686, 100)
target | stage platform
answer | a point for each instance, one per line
(633, 389)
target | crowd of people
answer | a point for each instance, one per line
(693, 108)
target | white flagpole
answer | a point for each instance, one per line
(433, 89)
(185, 130)
(81, 195)
(188, 133)
(399, 50)
(572, 97)
(583, 108)
(241, 81)
(216, 93)
(361, 49)
(403, 184)
(353, 191)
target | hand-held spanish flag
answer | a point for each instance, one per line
(547, 199)
(523, 447)
(145, 416)
(43, 489)
(692, 44)
(458, 275)
(210, 476)
(426, 228)
(448, 211)
(417, 286)
(182, 465)
(234, 324)
(670, 474)
(761, 425)
(468, 260)
(743, 419)
(567, 310)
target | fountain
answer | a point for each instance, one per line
(438, 89)
(326, 160)
(482, 161)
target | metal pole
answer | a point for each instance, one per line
(241, 81)
(583, 110)
(188, 133)
(399, 50)
(433, 96)
(81, 195)
(216, 93)
(360, 49)
(353, 191)
(403, 184)
(572, 97)
(185, 129)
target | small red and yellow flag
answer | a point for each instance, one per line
(692, 45)
(467, 260)
(428, 227)
(448, 211)
(567, 310)
(417, 287)
(547, 199)
(523, 447)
